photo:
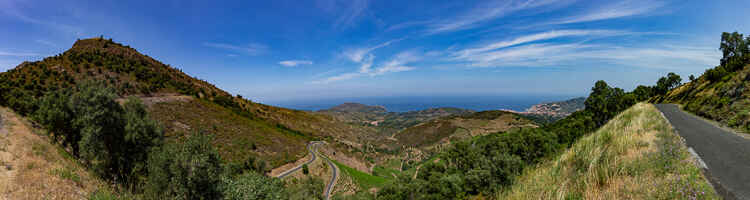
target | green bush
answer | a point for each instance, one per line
(253, 186)
(187, 170)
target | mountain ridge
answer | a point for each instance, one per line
(131, 73)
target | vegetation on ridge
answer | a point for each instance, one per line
(720, 93)
(636, 155)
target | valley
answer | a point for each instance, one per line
(129, 126)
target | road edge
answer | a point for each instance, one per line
(718, 187)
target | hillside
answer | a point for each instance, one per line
(637, 155)
(458, 127)
(552, 111)
(387, 123)
(180, 102)
(721, 93)
(33, 168)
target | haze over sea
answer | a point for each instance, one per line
(405, 104)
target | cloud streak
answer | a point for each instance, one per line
(351, 13)
(621, 9)
(574, 54)
(10, 8)
(397, 63)
(483, 13)
(250, 49)
(536, 37)
(294, 63)
(17, 54)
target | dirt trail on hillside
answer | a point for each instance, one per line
(33, 168)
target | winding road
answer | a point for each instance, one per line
(312, 147)
(726, 155)
(312, 153)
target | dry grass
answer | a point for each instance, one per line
(237, 137)
(634, 156)
(33, 168)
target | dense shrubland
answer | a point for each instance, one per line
(121, 144)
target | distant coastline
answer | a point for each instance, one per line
(405, 104)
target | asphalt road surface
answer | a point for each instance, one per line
(312, 147)
(332, 183)
(314, 156)
(727, 155)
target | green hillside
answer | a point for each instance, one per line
(458, 127)
(130, 73)
(720, 93)
(636, 155)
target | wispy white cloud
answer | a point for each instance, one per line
(340, 77)
(536, 37)
(396, 64)
(617, 10)
(294, 63)
(10, 8)
(483, 13)
(46, 43)
(250, 49)
(351, 13)
(540, 50)
(17, 54)
(358, 54)
(573, 54)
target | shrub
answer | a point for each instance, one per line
(253, 186)
(100, 121)
(188, 170)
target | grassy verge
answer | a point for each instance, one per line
(636, 155)
(364, 180)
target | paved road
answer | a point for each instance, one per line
(726, 154)
(312, 147)
(332, 183)
(314, 156)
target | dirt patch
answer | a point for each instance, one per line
(160, 98)
(33, 168)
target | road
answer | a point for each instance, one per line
(312, 147)
(312, 153)
(334, 176)
(727, 155)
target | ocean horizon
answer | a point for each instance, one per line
(406, 104)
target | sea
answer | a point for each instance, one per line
(405, 104)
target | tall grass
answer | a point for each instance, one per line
(635, 156)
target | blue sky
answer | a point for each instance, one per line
(274, 51)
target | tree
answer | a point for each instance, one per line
(141, 135)
(734, 50)
(691, 77)
(305, 170)
(667, 83)
(54, 114)
(187, 170)
(100, 121)
(597, 102)
(643, 92)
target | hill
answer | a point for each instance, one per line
(553, 111)
(636, 155)
(456, 127)
(720, 93)
(387, 123)
(180, 102)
